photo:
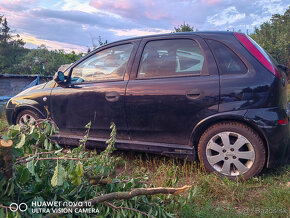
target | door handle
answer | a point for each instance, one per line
(193, 94)
(112, 96)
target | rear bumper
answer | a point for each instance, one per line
(277, 136)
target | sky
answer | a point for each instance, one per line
(77, 24)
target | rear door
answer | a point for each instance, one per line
(174, 84)
(96, 93)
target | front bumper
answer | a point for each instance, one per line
(9, 116)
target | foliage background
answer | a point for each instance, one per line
(274, 37)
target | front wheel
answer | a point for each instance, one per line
(232, 149)
(27, 117)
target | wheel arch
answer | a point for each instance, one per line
(25, 107)
(199, 129)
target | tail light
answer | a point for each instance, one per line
(258, 52)
(283, 122)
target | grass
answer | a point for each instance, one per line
(211, 195)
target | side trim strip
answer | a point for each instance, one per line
(175, 150)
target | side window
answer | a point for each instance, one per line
(173, 57)
(108, 64)
(228, 61)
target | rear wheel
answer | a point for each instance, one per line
(232, 149)
(27, 117)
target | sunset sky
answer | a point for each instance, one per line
(73, 24)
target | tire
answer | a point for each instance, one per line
(232, 149)
(27, 117)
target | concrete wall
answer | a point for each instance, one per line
(11, 85)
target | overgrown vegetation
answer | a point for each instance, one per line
(274, 37)
(263, 196)
(43, 172)
(44, 62)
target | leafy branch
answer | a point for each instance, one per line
(42, 171)
(125, 196)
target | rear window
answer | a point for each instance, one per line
(228, 61)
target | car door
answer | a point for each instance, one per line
(174, 84)
(95, 94)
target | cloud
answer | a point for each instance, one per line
(138, 9)
(258, 19)
(81, 22)
(227, 16)
(17, 5)
(211, 2)
(138, 32)
(272, 6)
(33, 42)
(76, 5)
(93, 19)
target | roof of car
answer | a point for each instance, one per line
(179, 33)
(203, 33)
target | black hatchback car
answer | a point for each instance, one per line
(215, 94)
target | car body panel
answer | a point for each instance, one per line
(72, 108)
(277, 136)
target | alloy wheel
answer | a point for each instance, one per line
(230, 153)
(26, 119)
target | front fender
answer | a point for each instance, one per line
(15, 105)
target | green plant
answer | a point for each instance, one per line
(43, 172)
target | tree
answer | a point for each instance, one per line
(11, 48)
(16, 59)
(274, 37)
(100, 43)
(184, 28)
(45, 62)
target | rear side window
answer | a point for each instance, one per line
(167, 58)
(228, 61)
